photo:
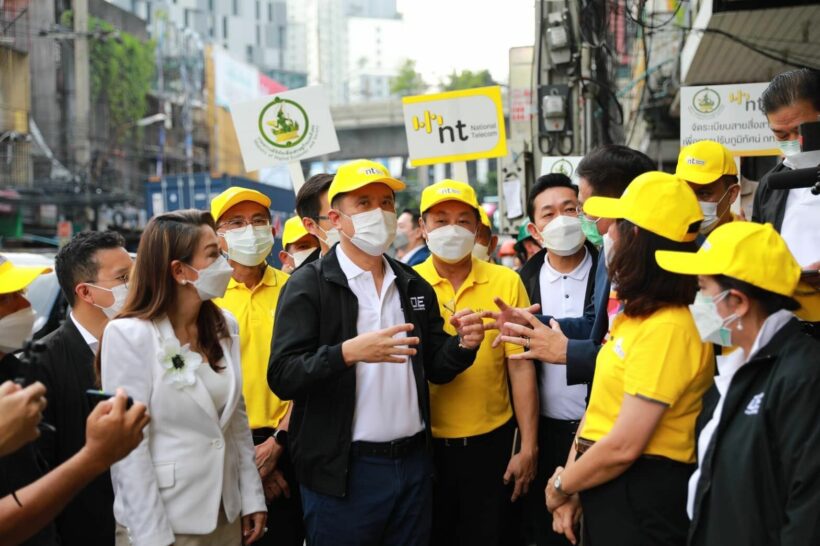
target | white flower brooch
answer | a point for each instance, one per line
(180, 363)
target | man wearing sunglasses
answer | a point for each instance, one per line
(93, 271)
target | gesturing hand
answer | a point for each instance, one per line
(380, 346)
(547, 344)
(470, 328)
(504, 315)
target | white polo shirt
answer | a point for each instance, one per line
(387, 405)
(562, 296)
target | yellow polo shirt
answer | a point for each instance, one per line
(254, 310)
(477, 401)
(660, 357)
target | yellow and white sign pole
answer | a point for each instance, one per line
(285, 128)
(455, 127)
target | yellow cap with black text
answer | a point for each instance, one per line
(359, 173)
(448, 190)
(704, 162)
(657, 202)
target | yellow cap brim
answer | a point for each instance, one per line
(698, 177)
(809, 299)
(17, 278)
(687, 263)
(246, 195)
(445, 198)
(604, 207)
(392, 183)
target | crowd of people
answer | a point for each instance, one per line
(648, 376)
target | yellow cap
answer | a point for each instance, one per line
(359, 173)
(656, 201)
(704, 162)
(14, 278)
(746, 251)
(293, 231)
(448, 190)
(234, 195)
(484, 218)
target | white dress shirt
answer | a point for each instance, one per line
(387, 405)
(727, 367)
(92, 342)
(801, 225)
(562, 296)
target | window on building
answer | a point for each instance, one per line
(210, 5)
(249, 53)
(235, 7)
(270, 12)
(224, 27)
(258, 35)
(186, 15)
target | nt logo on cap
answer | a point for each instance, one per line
(371, 170)
(449, 191)
(695, 161)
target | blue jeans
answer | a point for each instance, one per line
(389, 501)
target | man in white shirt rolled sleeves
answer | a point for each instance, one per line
(358, 336)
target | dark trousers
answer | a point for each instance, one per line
(285, 522)
(471, 503)
(554, 441)
(388, 502)
(644, 506)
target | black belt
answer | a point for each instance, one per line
(390, 450)
(474, 440)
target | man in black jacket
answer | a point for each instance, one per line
(360, 428)
(561, 279)
(312, 207)
(792, 98)
(93, 269)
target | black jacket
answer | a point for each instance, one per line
(316, 312)
(66, 368)
(586, 332)
(760, 475)
(24, 466)
(769, 205)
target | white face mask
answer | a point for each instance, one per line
(120, 293)
(300, 256)
(803, 160)
(331, 237)
(451, 244)
(711, 326)
(508, 261)
(609, 250)
(374, 231)
(789, 147)
(563, 236)
(213, 280)
(250, 245)
(16, 328)
(710, 215)
(481, 252)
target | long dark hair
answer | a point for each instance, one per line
(152, 288)
(640, 282)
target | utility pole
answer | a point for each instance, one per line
(82, 99)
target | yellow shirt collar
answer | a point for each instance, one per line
(269, 278)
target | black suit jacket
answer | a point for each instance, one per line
(66, 368)
(24, 466)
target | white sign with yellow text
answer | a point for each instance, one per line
(455, 126)
(729, 114)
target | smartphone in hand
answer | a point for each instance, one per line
(95, 397)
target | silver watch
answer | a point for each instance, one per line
(556, 484)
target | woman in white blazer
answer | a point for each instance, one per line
(194, 474)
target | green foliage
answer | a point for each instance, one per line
(121, 73)
(467, 79)
(408, 82)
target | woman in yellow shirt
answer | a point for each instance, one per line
(635, 449)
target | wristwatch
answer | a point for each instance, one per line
(280, 437)
(556, 484)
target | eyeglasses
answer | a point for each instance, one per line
(583, 216)
(241, 223)
(122, 279)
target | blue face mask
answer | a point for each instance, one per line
(789, 147)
